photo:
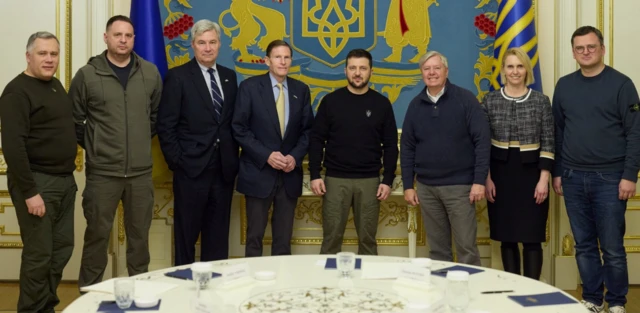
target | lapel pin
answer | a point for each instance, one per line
(226, 80)
(295, 96)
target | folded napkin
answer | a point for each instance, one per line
(186, 274)
(552, 298)
(443, 271)
(112, 307)
(331, 263)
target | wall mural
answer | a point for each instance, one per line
(322, 32)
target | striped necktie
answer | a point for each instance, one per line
(280, 108)
(215, 93)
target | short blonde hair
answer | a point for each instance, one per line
(526, 61)
(431, 54)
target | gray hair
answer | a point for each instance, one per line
(40, 35)
(431, 54)
(203, 26)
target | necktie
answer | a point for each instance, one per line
(215, 93)
(280, 108)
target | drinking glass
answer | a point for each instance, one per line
(346, 263)
(201, 272)
(124, 289)
(458, 290)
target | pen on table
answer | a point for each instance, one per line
(439, 272)
(496, 291)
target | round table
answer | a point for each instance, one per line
(302, 279)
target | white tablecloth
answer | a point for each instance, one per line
(303, 285)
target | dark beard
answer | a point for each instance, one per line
(362, 85)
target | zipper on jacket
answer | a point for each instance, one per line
(126, 135)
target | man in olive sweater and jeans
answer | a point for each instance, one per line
(445, 145)
(39, 147)
(115, 104)
(356, 127)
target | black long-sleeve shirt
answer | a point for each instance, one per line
(356, 132)
(447, 142)
(38, 132)
(597, 123)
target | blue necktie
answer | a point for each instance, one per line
(215, 93)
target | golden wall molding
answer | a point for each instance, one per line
(58, 33)
(567, 245)
(600, 15)
(11, 245)
(310, 210)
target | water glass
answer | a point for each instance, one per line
(346, 263)
(124, 289)
(201, 272)
(458, 290)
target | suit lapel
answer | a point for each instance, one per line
(293, 105)
(201, 86)
(225, 81)
(270, 102)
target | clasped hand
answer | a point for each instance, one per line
(280, 162)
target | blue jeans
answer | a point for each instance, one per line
(597, 215)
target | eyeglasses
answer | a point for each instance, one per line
(582, 49)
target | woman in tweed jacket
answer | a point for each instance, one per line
(522, 153)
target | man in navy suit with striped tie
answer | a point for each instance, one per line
(194, 128)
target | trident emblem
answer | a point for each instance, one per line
(332, 25)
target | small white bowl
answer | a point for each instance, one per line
(264, 275)
(422, 262)
(147, 301)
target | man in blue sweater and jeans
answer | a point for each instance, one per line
(597, 161)
(445, 143)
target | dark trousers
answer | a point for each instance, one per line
(343, 194)
(202, 207)
(48, 240)
(99, 202)
(446, 210)
(281, 221)
(597, 219)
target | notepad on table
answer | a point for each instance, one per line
(552, 298)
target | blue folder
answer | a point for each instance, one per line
(112, 307)
(443, 271)
(331, 263)
(552, 298)
(186, 274)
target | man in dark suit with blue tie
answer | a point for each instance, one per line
(271, 122)
(194, 128)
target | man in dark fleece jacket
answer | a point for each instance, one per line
(115, 104)
(446, 144)
(597, 161)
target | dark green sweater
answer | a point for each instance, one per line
(38, 132)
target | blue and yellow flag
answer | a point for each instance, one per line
(149, 44)
(515, 27)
